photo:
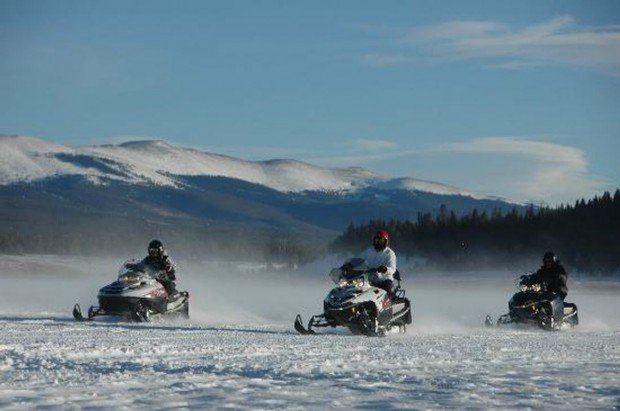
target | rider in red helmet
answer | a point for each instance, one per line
(381, 256)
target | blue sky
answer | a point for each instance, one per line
(516, 99)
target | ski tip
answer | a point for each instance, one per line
(299, 326)
(77, 313)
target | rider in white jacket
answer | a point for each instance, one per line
(381, 256)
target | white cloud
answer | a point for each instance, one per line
(373, 144)
(525, 170)
(385, 60)
(549, 172)
(455, 29)
(560, 41)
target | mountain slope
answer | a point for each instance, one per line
(157, 162)
(56, 198)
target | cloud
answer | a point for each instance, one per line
(524, 170)
(558, 41)
(385, 60)
(360, 152)
(549, 172)
(373, 144)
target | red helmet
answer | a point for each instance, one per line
(383, 235)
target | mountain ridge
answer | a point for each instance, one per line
(159, 162)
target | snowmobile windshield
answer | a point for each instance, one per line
(356, 275)
(357, 268)
(134, 270)
(523, 287)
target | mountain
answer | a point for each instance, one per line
(155, 162)
(90, 195)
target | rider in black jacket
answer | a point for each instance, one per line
(552, 278)
(158, 260)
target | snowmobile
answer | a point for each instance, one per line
(527, 307)
(137, 296)
(356, 304)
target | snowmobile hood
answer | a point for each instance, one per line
(343, 294)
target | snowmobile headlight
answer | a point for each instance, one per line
(342, 282)
(358, 282)
(129, 278)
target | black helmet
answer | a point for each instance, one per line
(156, 248)
(549, 256)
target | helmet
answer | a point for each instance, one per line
(549, 256)
(381, 234)
(156, 248)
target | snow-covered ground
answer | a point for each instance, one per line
(239, 350)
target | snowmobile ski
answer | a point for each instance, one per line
(77, 314)
(299, 327)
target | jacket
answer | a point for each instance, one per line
(163, 263)
(385, 257)
(553, 279)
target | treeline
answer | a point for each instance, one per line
(585, 236)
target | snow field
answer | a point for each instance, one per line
(239, 350)
(54, 362)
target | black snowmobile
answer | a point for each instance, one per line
(138, 296)
(529, 307)
(356, 304)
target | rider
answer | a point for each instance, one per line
(552, 278)
(381, 256)
(158, 260)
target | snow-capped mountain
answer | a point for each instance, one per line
(25, 159)
(114, 195)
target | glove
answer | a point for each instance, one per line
(382, 269)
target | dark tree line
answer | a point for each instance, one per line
(586, 236)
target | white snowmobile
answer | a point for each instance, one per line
(527, 307)
(138, 296)
(356, 304)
